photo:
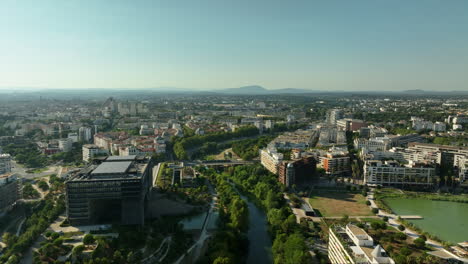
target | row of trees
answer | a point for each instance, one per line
(229, 244)
(288, 242)
(46, 212)
(248, 149)
(182, 145)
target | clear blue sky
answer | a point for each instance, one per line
(209, 44)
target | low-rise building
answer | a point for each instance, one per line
(352, 245)
(90, 151)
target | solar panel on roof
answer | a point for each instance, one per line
(117, 158)
(112, 167)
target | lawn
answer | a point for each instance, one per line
(339, 204)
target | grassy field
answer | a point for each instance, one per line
(339, 204)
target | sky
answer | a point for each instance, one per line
(214, 44)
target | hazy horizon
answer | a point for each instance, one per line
(209, 45)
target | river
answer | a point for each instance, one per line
(259, 239)
(447, 220)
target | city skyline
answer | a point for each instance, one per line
(210, 45)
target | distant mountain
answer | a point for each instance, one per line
(415, 91)
(424, 92)
(256, 89)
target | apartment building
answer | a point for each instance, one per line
(90, 151)
(446, 153)
(297, 171)
(5, 163)
(271, 159)
(65, 144)
(336, 162)
(392, 173)
(372, 144)
(352, 245)
(350, 124)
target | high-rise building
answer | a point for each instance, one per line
(9, 193)
(65, 144)
(333, 115)
(271, 159)
(85, 134)
(113, 191)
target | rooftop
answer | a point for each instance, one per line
(121, 158)
(117, 167)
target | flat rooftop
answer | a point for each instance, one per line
(121, 158)
(113, 167)
(116, 167)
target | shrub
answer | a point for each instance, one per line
(400, 236)
(419, 242)
(368, 203)
(375, 210)
(88, 239)
(405, 251)
(385, 218)
(401, 228)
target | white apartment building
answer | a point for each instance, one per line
(65, 144)
(271, 159)
(372, 144)
(392, 173)
(5, 163)
(85, 134)
(439, 127)
(73, 137)
(352, 245)
(90, 151)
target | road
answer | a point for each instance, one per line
(16, 168)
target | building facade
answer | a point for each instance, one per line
(391, 173)
(352, 245)
(9, 190)
(5, 163)
(114, 191)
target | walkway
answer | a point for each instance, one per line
(393, 222)
(195, 249)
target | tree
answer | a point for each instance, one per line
(88, 239)
(419, 243)
(78, 250)
(9, 239)
(385, 218)
(223, 260)
(401, 227)
(117, 257)
(43, 185)
(239, 214)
